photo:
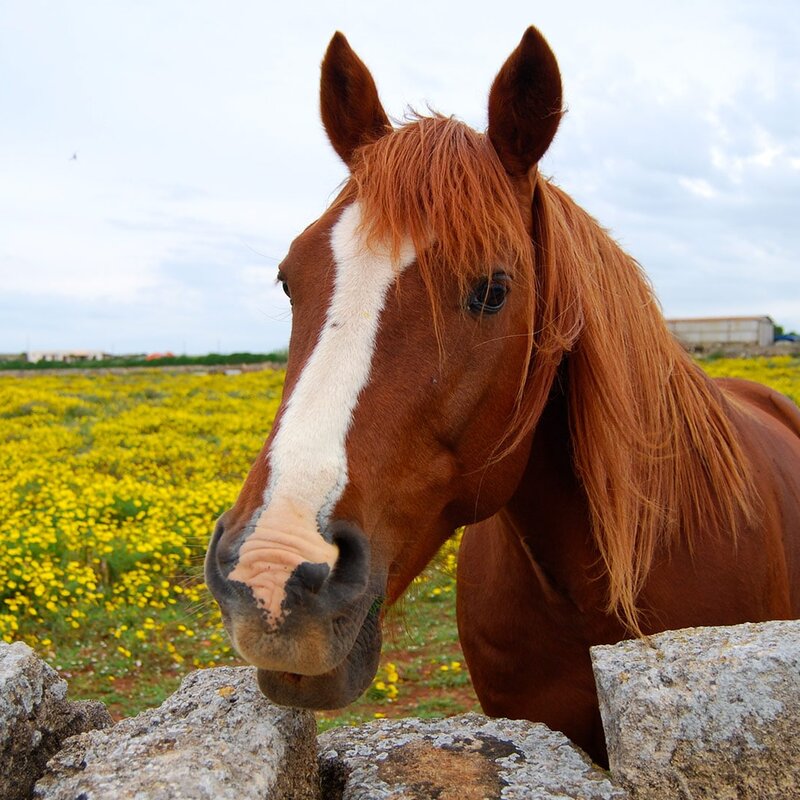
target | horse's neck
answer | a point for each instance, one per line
(549, 511)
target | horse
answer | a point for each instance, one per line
(470, 348)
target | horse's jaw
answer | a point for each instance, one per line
(333, 689)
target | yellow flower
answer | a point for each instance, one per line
(111, 485)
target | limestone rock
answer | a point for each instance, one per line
(468, 757)
(704, 712)
(216, 737)
(35, 718)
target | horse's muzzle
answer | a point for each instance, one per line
(322, 650)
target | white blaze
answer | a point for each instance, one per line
(307, 457)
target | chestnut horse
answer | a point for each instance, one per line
(469, 347)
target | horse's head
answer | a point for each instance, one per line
(413, 325)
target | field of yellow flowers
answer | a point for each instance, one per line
(109, 488)
(781, 373)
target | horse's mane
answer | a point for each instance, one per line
(651, 440)
(652, 437)
(439, 182)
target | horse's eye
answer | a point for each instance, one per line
(284, 285)
(489, 296)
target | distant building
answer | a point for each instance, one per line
(65, 356)
(706, 331)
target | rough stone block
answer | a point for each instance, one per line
(704, 712)
(35, 718)
(468, 757)
(216, 737)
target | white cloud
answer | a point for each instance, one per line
(698, 186)
(201, 154)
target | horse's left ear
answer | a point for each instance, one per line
(351, 109)
(525, 105)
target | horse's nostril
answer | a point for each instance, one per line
(352, 566)
(223, 549)
(219, 529)
(312, 576)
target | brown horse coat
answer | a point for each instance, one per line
(470, 347)
(537, 560)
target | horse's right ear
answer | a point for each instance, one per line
(525, 105)
(351, 110)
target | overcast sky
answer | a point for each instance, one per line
(200, 154)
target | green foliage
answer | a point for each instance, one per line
(111, 485)
(210, 360)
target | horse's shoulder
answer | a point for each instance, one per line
(768, 401)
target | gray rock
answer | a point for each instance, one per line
(216, 737)
(469, 757)
(35, 718)
(704, 712)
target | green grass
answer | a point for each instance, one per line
(211, 359)
(97, 667)
(420, 639)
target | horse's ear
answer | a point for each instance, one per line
(525, 104)
(351, 110)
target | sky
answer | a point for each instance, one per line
(157, 158)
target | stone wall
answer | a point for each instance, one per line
(699, 713)
(35, 718)
(704, 712)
